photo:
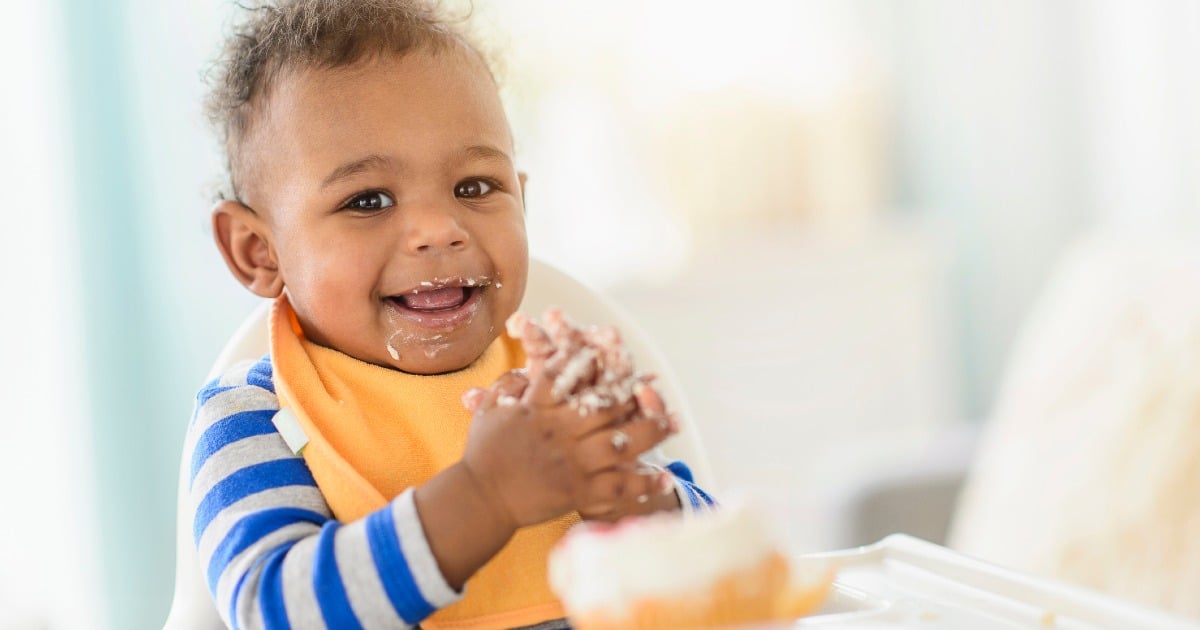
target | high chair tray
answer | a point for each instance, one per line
(905, 582)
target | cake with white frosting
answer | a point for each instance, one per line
(667, 571)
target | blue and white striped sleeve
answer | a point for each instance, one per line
(692, 499)
(273, 554)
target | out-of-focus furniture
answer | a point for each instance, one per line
(916, 494)
(1088, 470)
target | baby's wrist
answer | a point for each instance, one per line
(482, 493)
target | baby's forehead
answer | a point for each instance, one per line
(431, 99)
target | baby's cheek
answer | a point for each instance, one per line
(499, 305)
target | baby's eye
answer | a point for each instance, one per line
(370, 201)
(472, 188)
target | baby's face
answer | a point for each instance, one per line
(394, 211)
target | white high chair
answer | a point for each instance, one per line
(192, 607)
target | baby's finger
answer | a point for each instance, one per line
(649, 400)
(611, 447)
(565, 373)
(650, 482)
(616, 360)
(482, 401)
(538, 349)
(562, 330)
(604, 491)
(542, 376)
(534, 339)
(604, 337)
(620, 391)
(568, 340)
(597, 413)
(615, 492)
(578, 371)
(511, 386)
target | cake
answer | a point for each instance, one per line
(715, 569)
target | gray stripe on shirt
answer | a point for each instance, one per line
(364, 588)
(421, 561)
(299, 594)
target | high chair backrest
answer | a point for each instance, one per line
(192, 607)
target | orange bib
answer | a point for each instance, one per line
(374, 432)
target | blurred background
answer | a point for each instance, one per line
(835, 217)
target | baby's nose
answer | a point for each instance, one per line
(433, 230)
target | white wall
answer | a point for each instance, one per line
(1141, 86)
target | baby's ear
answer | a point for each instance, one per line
(244, 241)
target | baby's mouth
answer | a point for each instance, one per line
(440, 304)
(432, 300)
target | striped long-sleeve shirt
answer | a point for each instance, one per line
(274, 555)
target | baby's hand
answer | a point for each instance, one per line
(593, 371)
(536, 460)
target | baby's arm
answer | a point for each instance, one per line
(274, 555)
(272, 552)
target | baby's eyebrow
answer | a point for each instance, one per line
(357, 166)
(485, 152)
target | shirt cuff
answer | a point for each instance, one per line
(421, 562)
(690, 504)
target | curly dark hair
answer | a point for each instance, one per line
(280, 35)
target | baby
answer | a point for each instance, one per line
(411, 448)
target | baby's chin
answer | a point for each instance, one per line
(431, 368)
(430, 358)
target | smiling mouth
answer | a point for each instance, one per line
(434, 300)
(439, 304)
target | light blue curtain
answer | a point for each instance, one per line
(157, 301)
